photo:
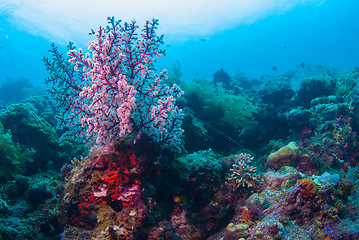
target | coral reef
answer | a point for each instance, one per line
(295, 189)
(268, 158)
(293, 205)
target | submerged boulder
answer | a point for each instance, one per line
(285, 156)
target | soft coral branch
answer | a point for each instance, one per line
(120, 96)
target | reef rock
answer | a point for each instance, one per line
(285, 156)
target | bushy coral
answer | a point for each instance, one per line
(118, 96)
(14, 156)
(242, 173)
(236, 110)
(32, 131)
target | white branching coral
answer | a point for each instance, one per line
(242, 174)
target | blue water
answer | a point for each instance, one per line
(327, 34)
(320, 34)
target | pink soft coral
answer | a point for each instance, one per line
(121, 97)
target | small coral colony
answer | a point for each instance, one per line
(146, 155)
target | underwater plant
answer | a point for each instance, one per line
(13, 156)
(114, 93)
(216, 105)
